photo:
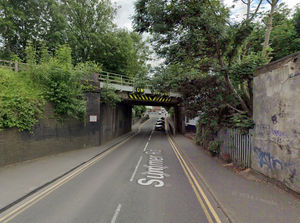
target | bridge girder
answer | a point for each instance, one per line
(149, 99)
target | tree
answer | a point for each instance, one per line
(35, 21)
(88, 21)
(197, 34)
(122, 52)
(249, 4)
(86, 26)
(284, 39)
(273, 4)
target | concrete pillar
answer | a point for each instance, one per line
(179, 119)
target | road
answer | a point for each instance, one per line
(143, 180)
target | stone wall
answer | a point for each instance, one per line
(51, 136)
(276, 146)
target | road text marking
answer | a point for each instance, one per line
(155, 174)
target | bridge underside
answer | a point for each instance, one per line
(131, 96)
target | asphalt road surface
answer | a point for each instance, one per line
(143, 180)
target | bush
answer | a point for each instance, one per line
(21, 100)
(62, 83)
(108, 96)
(214, 147)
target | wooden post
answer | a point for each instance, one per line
(16, 66)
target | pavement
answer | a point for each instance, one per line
(139, 178)
(243, 197)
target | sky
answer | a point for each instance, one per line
(126, 10)
(124, 13)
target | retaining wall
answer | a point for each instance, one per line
(276, 145)
(51, 136)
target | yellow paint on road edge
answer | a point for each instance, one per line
(193, 181)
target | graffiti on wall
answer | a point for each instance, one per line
(266, 159)
(280, 138)
(273, 163)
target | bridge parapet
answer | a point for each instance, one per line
(124, 84)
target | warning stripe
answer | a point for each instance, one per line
(139, 97)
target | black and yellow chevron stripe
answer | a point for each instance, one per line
(149, 98)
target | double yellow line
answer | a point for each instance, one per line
(12, 214)
(15, 212)
(208, 209)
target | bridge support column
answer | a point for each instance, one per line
(179, 119)
(114, 121)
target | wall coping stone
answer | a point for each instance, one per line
(277, 64)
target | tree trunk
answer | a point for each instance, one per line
(248, 9)
(231, 87)
(273, 4)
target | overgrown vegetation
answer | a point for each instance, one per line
(21, 101)
(55, 79)
(58, 39)
(108, 96)
(138, 110)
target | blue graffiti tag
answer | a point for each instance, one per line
(265, 158)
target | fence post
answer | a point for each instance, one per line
(16, 66)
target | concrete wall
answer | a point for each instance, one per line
(276, 148)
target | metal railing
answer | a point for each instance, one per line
(113, 78)
(119, 79)
(237, 146)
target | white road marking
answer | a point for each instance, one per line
(150, 135)
(146, 146)
(117, 211)
(137, 166)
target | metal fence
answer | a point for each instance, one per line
(123, 80)
(112, 78)
(236, 146)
